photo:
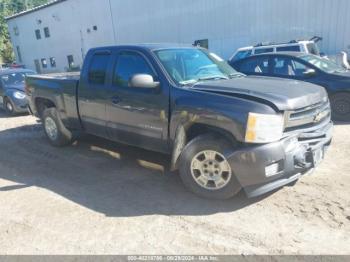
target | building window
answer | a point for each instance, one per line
(19, 55)
(15, 30)
(46, 32)
(70, 59)
(38, 34)
(202, 43)
(43, 63)
(53, 62)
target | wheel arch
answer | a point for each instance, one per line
(185, 134)
(43, 103)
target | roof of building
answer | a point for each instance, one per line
(54, 2)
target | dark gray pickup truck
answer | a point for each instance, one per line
(224, 131)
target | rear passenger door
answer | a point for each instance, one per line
(258, 65)
(93, 92)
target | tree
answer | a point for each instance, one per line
(8, 8)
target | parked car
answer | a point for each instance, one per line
(301, 46)
(12, 94)
(309, 68)
(18, 66)
(224, 131)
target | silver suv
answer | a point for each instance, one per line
(303, 46)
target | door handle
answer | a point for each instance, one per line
(116, 100)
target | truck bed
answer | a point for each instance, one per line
(62, 76)
(61, 89)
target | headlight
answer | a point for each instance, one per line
(264, 128)
(19, 95)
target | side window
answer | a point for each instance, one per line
(258, 65)
(299, 68)
(98, 68)
(128, 65)
(242, 54)
(292, 48)
(287, 67)
(282, 66)
(263, 51)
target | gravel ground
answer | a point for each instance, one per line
(97, 197)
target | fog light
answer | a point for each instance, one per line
(272, 170)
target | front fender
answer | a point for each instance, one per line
(221, 113)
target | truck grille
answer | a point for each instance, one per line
(308, 117)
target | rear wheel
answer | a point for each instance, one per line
(205, 170)
(340, 103)
(55, 131)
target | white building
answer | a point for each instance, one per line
(51, 37)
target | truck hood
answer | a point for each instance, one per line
(285, 94)
(19, 87)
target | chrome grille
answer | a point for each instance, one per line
(308, 117)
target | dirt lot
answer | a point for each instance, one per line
(101, 198)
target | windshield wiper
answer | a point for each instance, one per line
(233, 75)
(188, 82)
(213, 78)
(194, 81)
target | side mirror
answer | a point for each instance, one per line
(143, 81)
(309, 72)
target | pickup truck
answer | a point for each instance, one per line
(224, 131)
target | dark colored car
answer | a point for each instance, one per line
(12, 94)
(305, 67)
(224, 131)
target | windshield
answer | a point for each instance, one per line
(323, 64)
(190, 65)
(14, 78)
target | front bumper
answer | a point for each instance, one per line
(294, 156)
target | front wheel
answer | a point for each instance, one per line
(55, 131)
(9, 107)
(205, 170)
(340, 104)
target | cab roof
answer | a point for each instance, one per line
(148, 47)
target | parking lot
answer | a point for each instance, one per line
(96, 197)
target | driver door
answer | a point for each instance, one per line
(292, 68)
(137, 116)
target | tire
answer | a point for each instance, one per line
(340, 104)
(193, 154)
(55, 131)
(9, 107)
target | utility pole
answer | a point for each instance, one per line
(113, 25)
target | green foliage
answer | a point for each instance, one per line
(7, 8)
